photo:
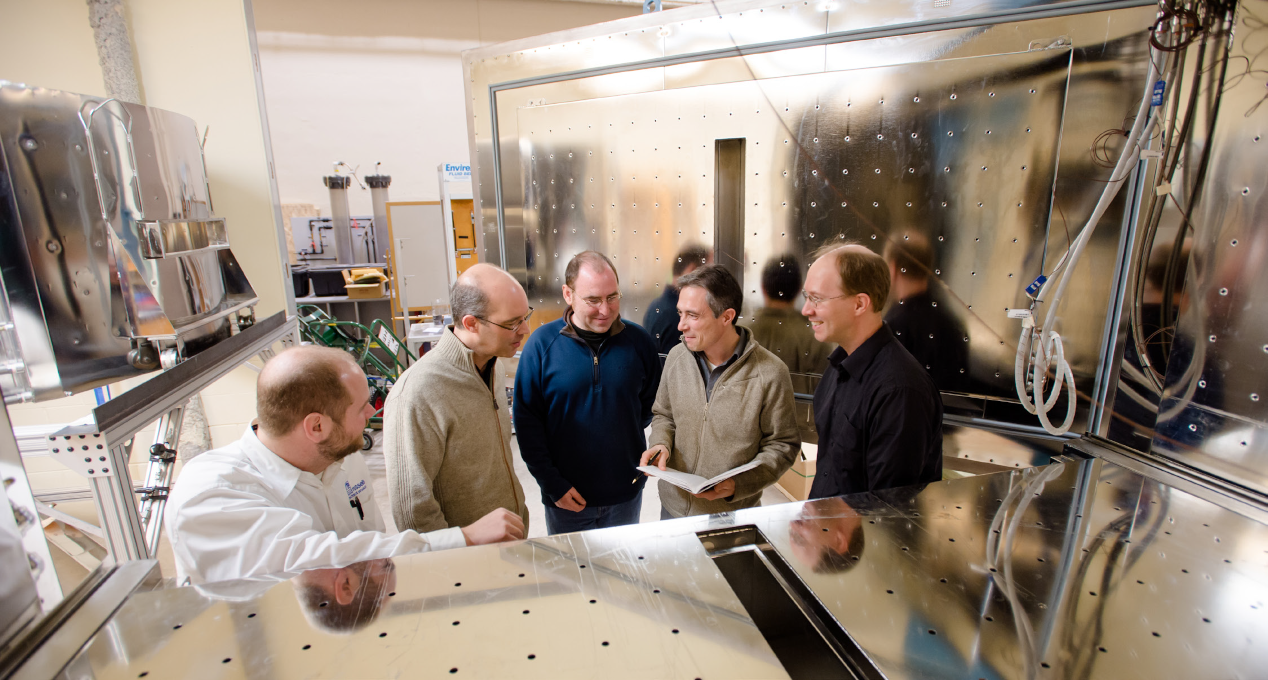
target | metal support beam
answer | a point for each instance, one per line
(102, 453)
(158, 476)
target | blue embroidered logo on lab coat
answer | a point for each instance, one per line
(354, 491)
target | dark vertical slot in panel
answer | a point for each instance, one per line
(728, 206)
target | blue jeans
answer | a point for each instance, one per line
(560, 521)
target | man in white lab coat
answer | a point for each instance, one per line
(294, 492)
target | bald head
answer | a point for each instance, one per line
(482, 290)
(300, 381)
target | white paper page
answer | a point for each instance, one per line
(682, 480)
(694, 483)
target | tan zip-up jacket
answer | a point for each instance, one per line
(447, 443)
(750, 417)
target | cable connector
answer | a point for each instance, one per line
(1033, 289)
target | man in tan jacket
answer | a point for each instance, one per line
(723, 401)
(447, 424)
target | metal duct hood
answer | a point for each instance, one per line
(113, 261)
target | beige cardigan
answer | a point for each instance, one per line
(750, 417)
(447, 441)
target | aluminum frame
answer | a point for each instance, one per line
(101, 453)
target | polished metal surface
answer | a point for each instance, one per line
(36, 559)
(19, 599)
(1078, 569)
(56, 640)
(944, 131)
(1214, 409)
(115, 243)
(638, 603)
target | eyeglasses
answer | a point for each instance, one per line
(814, 300)
(517, 325)
(595, 302)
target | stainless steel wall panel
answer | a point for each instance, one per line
(790, 62)
(867, 154)
(1216, 393)
(761, 97)
(733, 24)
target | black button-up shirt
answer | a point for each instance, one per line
(879, 418)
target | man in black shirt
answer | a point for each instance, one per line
(877, 411)
(661, 318)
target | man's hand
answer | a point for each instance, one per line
(495, 527)
(572, 501)
(724, 489)
(657, 455)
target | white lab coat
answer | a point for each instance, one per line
(241, 511)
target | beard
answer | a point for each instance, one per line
(340, 444)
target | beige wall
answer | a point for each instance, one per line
(49, 44)
(381, 80)
(194, 57)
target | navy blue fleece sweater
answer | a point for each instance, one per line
(580, 414)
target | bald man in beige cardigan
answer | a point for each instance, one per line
(447, 425)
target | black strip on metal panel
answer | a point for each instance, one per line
(728, 206)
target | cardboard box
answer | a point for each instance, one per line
(364, 282)
(795, 484)
(361, 291)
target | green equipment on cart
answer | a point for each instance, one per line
(381, 369)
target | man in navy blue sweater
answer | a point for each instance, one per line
(583, 395)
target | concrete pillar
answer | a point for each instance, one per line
(114, 50)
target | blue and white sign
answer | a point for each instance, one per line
(457, 172)
(1160, 88)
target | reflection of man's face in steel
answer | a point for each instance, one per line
(827, 536)
(345, 600)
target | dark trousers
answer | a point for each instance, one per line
(560, 521)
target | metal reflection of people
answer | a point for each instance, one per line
(920, 318)
(780, 327)
(296, 494)
(827, 535)
(661, 318)
(347, 599)
(723, 401)
(877, 411)
(583, 394)
(446, 423)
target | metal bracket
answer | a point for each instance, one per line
(153, 493)
(82, 449)
(162, 453)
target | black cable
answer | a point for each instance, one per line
(1173, 262)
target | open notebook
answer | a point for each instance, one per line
(695, 483)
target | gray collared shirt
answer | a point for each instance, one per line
(710, 376)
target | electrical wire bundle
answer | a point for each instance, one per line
(1039, 348)
(1188, 25)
